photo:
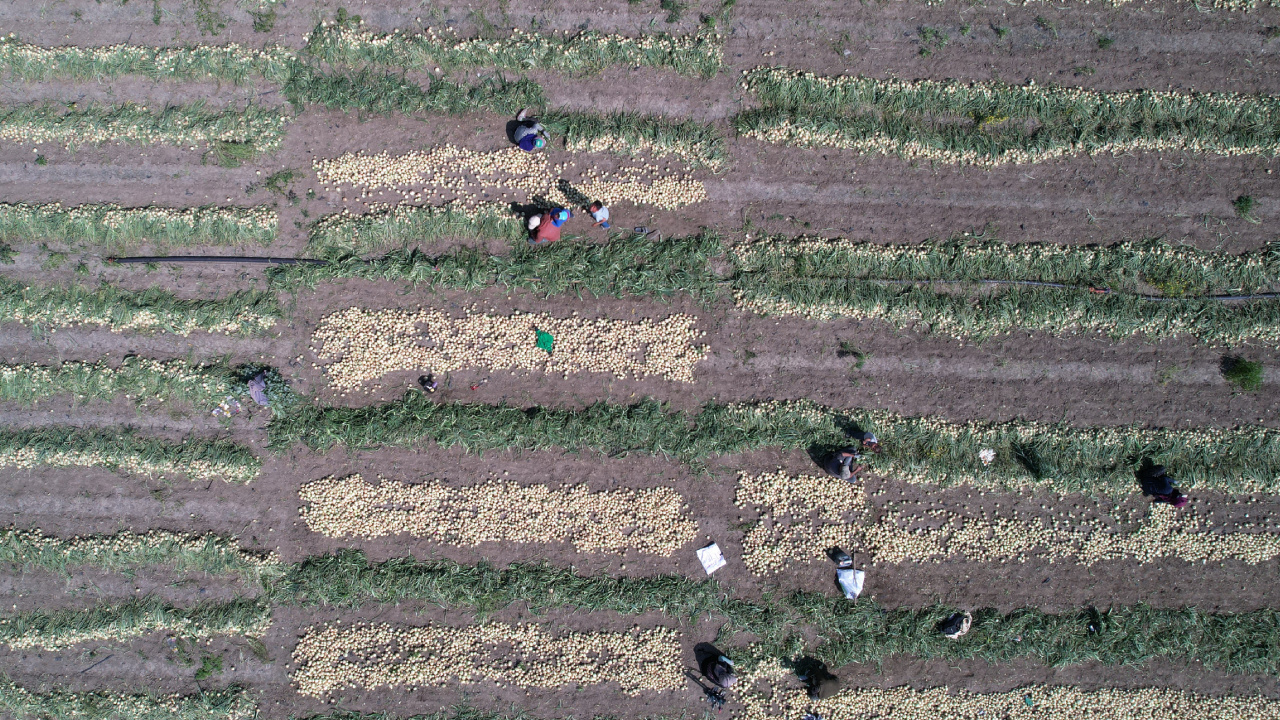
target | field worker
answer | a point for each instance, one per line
(600, 214)
(529, 134)
(1157, 483)
(719, 670)
(542, 230)
(847, 463)
(819, 683)
(559, 216)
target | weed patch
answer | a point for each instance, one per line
(1244, 374)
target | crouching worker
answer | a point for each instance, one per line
(529, 133)
(599, 213)
(545, 228)
(718, 669)
(818, 681)
(847, 463)
(1157, 483)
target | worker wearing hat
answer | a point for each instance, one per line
(529, 134)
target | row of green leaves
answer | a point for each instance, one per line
(851, 633)
(1057, 457)
(990, 123)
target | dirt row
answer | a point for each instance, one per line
(169, 667)
(264, 514)
(1085, 380)
(1170, 44)
(767, 189)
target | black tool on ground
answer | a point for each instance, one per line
(713, 695)
(428, 383)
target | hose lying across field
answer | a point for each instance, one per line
(1026, 283)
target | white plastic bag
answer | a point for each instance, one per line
(850, 581)
(711, 558)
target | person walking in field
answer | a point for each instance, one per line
(529, 133)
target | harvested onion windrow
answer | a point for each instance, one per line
(367, 344)
(371, 656)
(472, 178)
(653, 520)
(1033, 702)
(770, 545)
(802, 516)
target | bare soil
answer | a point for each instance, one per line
(1085, 380)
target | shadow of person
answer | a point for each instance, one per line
(511, 130)
(527, 210)
(572, 194)
(704, 652)
(1152, 478)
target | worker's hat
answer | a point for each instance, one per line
(539, 142)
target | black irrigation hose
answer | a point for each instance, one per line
(211, 259)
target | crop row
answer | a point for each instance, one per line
(372, 656)
(940, 703)
(143, 381)
(51, 308)
(1059, 458)
(124, 452)
(129, 552)
(333, 658)
(235, 135)
(60, 629)
(649, 521)
(1013, 455)
(994, 123)
(60, 704)
(1030, 702)
(345, 42)
(862, 632)
(583, 53)
(1173, 270)
(1053, 311)
(254, 128)
(120, 228)
(474, 180)
(780, 283)
(361, 346)
(802, 517)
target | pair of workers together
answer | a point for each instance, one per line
(818, 681)
(530, 136)
(545, 228)
(849, 462)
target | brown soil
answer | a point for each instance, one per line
(1085, 380)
